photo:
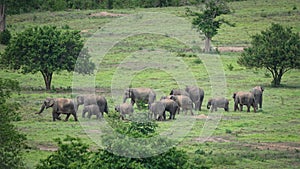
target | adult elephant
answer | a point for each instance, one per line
(92, 100)
(218, 102)
(145, 95)
(59, 106)
(184, 102)
(244, 98)
(196, 95)
(258, 94)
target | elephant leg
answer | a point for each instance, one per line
(248, 108)
(197, 106)
(83, 114)
(67, 118)
(75, 116)
(241, 107)
(89, 115)
(54, 115)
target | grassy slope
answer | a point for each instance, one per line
(241, 140)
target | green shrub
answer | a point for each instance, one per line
(5, 37)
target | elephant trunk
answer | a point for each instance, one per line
(208, 106)
(41, 110)
(124, 99)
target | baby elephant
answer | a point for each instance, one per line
(92, 109)
(123, 109)
(220, 102)
(157, 108)
(184, 102)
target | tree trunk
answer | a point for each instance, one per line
(47, 79)
(207, 48)
(277, 79)
(2, 18)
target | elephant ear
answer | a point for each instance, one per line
(50, 102)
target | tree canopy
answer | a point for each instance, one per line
(276, 49)
(11, 140)
(207, 22)
(47, 49)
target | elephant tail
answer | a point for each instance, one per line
(106, 108)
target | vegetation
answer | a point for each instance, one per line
(276, 49)
(47, 50)
(266, 139)
(12, 141)
(206, 22)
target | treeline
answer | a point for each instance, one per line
(24, 6)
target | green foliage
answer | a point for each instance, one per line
(12, 142)
(275, 49)
(5, 37)
(71, 153)
(47, 50)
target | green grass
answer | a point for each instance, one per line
(241, 139)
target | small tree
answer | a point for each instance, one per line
(47, 50)
(277, 49)
(207, 22)
(11, 141)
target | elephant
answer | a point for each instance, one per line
(170, 106)
(145, 95)
(258, 95)
(220, 102)
(196, 95)
(59, 106)
(92, 109)
(92, 100)
(123, 109)
(184, 102)
(179, 92)
(244, 98)
(157, 108)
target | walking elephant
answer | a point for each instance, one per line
(92, 109)
(145, 95)
(196, 95)
(92, 100)
(171, 106)
(184, 102)
(218, 102)
(258, 94)
(244, 98)
(123, 109)
(59, 106)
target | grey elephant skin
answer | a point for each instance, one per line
(258, 94)
(92, 109)
(218, 102)
(145, 95)
(59, 106)
(179, 92)
(157, 109)
(92, 100)
(184, 102)
(244, 98)
(196, 95)
(171, 106)
(123, 109)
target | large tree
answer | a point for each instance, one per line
(11, 140)
(207, 21)
(47, 49)
(276, 49)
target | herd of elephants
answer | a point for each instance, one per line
(186, 99)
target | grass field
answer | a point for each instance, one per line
(269, 138)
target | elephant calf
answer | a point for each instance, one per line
(92, 110)
(184, 102)
(219, 102)
(123, 109)
(170, 106)
(244, 98)
(157, 108)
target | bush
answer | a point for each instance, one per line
(5, 37)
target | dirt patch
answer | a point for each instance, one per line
(47, 148)
(201, 116)
(284, 146)
(213, 139)
(107, 14)
(230, 48)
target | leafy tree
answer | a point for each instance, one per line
(276, 49)
(47, 50)
(11, 141)
(207, 22)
